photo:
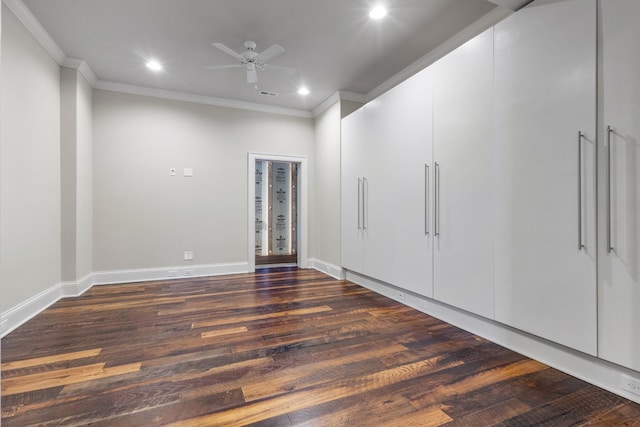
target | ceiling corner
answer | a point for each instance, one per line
(27, 18)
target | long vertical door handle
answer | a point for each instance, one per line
(580, 242)
(436, 209)
(609, 244)
(365, 200)
(359, 202)
(426, 199)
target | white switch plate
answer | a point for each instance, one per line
(188, 255)
(188, 172)
(172, 171)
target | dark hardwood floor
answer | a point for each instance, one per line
(276, 348)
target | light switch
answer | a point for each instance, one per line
(188, 172)
(172, 171)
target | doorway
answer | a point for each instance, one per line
(277, 211)
(276, 207)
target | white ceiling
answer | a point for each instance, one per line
(332, 44)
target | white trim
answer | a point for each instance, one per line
(580, 365)
(352, 96)
(167, 273)
(324, 105)
(25, 311)
(338, 96)
(200, 99)
(82, 66)
(25, 16)
(329, 269)
(77, 288)
(511, 4)
(302, 205)
(480, 25)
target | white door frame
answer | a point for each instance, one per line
(302, 205)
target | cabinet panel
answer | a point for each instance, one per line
(366, 192)
(378, 208)
(412, 175)
(545, 88)
(352, 135)
(619, 157)
(463, 258)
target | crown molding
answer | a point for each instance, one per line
(82, 66)
(487, 21)
(512, 4)
(200, 99)
(25, 16)
(324, 105)
(352, 96)
(338, 96)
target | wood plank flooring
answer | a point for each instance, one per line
(285, 347)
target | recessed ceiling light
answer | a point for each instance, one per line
(303, 91)
(154, 65)
(378, 12)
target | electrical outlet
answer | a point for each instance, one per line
(188, 272)
(188, 255)
(631, 384)
(172, 171)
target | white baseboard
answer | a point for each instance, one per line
(326, 268)
(591, 369)
(23, 312)
(77, 288)
(167, 273)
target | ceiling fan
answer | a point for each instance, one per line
(250, 59)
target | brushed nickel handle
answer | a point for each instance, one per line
(609, 165)
(365, 190)
(580, 241)
(359, 201)
(426, 199)
(436, 210)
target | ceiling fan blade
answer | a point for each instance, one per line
(221, 67)
(270, 53)
(229, 51)
(252, 75)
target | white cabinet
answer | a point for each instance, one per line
(410, 112)
(619, 184)
(353, 129)
(463, 210)
(377, 206)
(366, 193)
(545, 240)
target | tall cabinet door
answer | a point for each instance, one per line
(463, 224)
(352, 151)
(412, 182)
(619, 256)
(377, 204)
(544, 163)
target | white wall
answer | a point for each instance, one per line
(76, 159)
(29, 166)
(84, 181)
(327, 202)
(145, 218)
